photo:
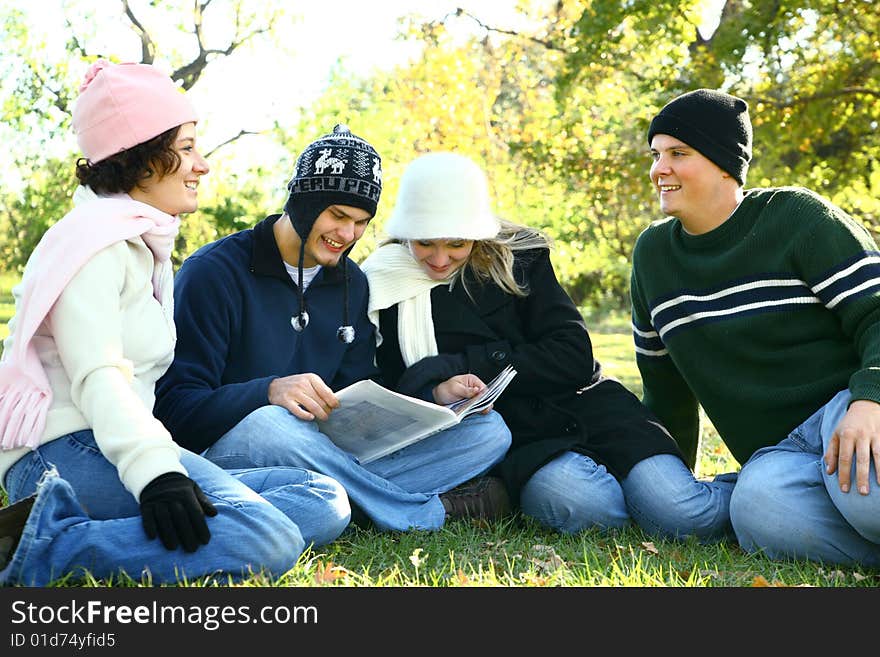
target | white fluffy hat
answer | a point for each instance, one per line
(443, 195)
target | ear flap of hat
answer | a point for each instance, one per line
(304, 209)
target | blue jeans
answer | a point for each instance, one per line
(786, 505)
(83, 518)
(572, 492)
(397, 492)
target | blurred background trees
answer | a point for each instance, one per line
(556, 111)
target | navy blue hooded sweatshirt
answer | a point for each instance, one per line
(233, 303)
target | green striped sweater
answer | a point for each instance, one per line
(763, 320)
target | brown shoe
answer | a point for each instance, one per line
(12, 522)
(484, 498)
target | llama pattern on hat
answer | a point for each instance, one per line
(336, 164)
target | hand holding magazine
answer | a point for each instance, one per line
(373, 421)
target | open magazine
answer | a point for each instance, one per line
(373, 421)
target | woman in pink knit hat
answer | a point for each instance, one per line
(96, 482)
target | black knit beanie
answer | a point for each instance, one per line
(337, 169)
(714, 123)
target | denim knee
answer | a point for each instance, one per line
(336, 508)
(862, 512)
(664, 497)
(274, 542)
(573, 493)
(265, 423)
(494, 437)
(780, 514)
(268, 436)
(753, 512)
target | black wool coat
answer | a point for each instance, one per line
(559, 401)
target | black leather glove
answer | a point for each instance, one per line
(431, 371)
(173, 507)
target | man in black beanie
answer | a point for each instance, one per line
(271, 320)
(763, 306)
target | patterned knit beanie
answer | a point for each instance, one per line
(337, 169)
(714, 123)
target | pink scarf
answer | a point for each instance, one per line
(25, 395)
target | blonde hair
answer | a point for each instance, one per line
(492, 259)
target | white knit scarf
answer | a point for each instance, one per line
(396, 278)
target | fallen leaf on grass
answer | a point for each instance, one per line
(761, 581)
(416, 558)
(650, 547)
(545, 558)
(327, 573)
(530, 579)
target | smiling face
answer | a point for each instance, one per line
(176, 192)
(334, 231)
(440, 259)
(690, 186)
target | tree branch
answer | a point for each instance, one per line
(60, 98)
(147, 47)
(241, 133)
(191, 72)
(549, 45)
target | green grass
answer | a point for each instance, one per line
(518, 553)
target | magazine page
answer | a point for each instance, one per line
(465, 407)
(372, 421)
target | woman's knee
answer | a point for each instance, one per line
(663, 496)
(334, 514)
(266, 538)
(572, 493)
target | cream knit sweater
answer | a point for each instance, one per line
(103, 346)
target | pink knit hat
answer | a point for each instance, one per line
(123, 105)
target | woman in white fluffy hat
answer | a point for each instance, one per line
(456, 289)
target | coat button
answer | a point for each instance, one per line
(499, 355)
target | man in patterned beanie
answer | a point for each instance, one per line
(763, 306)
(339, 169)
(272, 320)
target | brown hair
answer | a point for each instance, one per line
(125, 170)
